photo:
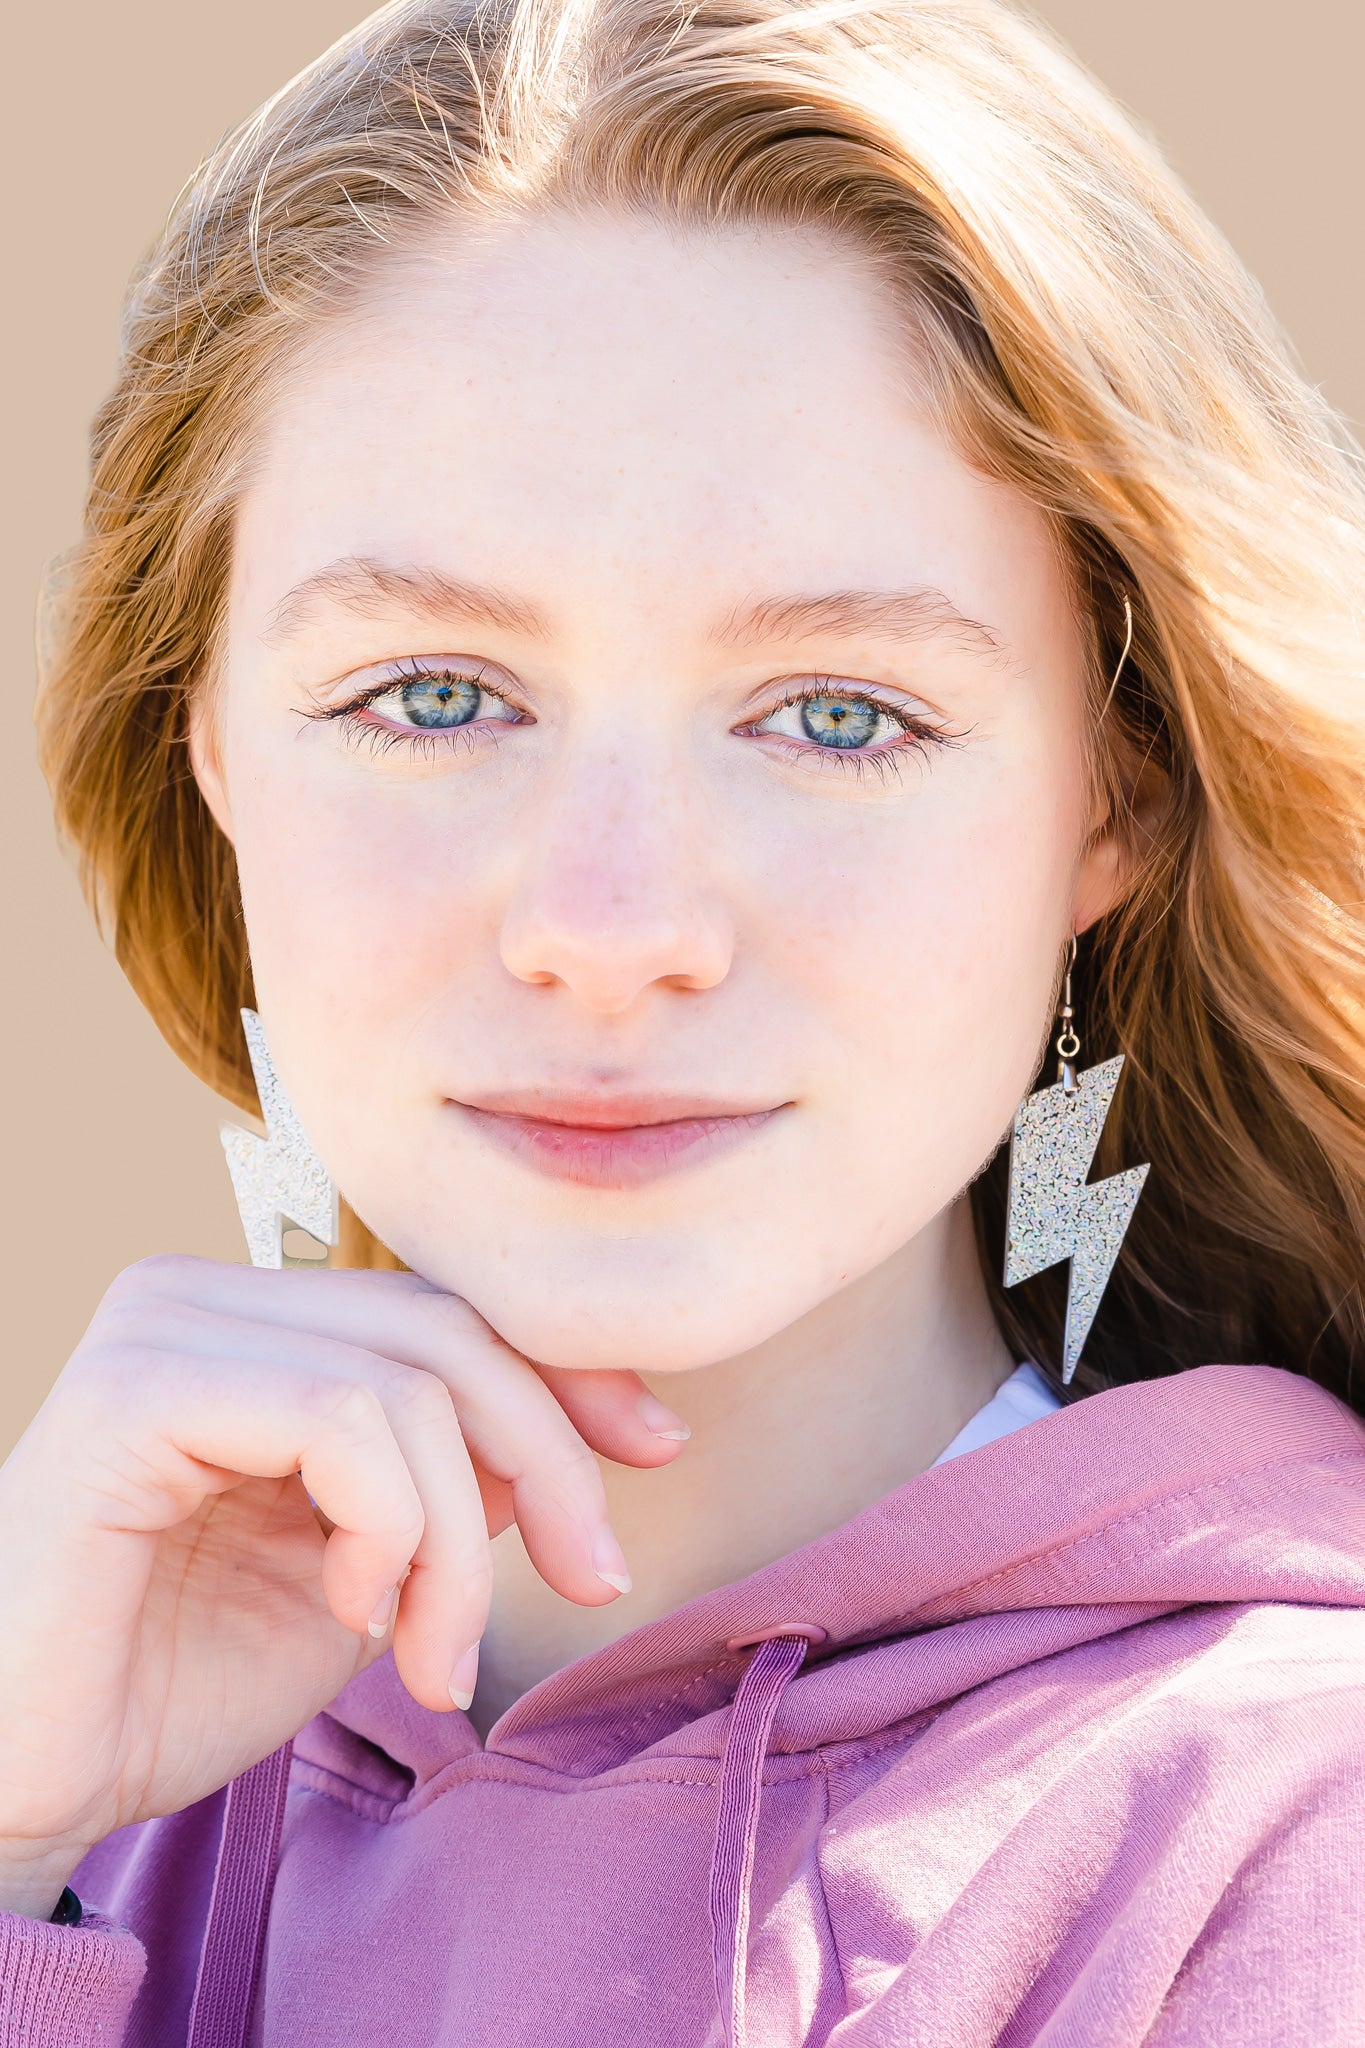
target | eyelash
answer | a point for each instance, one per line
(426, 742)
(918, 736)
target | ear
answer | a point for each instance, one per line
(1114, 849)
(1103, 877)
(206, 757)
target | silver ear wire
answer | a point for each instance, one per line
(278, 1178)
(1127, 649)
(1053, 1214)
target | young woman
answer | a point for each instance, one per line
(652, 576)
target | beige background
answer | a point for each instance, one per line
(110, 1147)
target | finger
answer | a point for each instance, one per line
(514, 1427)
(616, 1413)
(532, 1466)
(176, 1425)
(442, 1604)
(401, 1316)
(442, 1608)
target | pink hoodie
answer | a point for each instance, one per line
(1069, 1751)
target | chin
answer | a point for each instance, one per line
(661, 1308)
(625, 1343)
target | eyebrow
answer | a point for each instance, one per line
(368, 588)
(918, 614)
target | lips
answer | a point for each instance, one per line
(614, 1141)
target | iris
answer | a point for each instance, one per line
(443, 701)
(840, 721)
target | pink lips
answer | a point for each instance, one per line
(613, 1141)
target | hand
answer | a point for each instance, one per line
(174, 1606)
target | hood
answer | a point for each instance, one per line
(1224, 1484)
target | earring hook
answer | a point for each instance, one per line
(1127, 648)
(1068, 1041)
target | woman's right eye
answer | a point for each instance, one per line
(439, 702)
(422, 701)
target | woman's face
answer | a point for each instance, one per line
(654, 759)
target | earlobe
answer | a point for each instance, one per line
(206, 759)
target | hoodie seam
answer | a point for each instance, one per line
(674, 1699)
(1205, 1489)
(315, 1780)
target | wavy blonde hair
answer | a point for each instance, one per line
(1087, 336)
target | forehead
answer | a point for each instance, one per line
(568, 397)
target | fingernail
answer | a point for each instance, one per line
(378, 1623)
(661, 1421)
(609, 1560)
(464, 1678)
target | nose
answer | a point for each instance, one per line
(617, 892)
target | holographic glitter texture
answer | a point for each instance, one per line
(1053, 1215)
(279, 1178)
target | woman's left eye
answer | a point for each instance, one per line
(841, 721)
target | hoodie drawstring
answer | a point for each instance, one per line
(774, 1663)
(243, 1879)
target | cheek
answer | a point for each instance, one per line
(359, 907)
(921, 923)
(926, 952)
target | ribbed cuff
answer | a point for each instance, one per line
(66, 1987)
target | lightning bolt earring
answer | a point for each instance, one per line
(278, 1178)
(1053, 1214)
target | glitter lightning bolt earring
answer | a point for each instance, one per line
(278, 1178)
(1053, 1214)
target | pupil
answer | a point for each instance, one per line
(451, 701)
(839, 721)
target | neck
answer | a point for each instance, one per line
(788, 1441)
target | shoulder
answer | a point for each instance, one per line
(1053, 1699)
(1206, 1722)
(1160, 1831)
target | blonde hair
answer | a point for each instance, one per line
(1087, 336)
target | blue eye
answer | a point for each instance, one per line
(428, 700)
(840, 721)
(836, 721)
(439, 701)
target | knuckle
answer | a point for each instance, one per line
(136, 1316)
(576, 1466)
(408, 1534)
(448, 1318)
(351, 1406)
(150, 1275)
(559, 1488)
(421, 1399)
(103, 1372)
(559, 1464)
(475, 1569)
(105, 1393)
